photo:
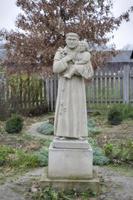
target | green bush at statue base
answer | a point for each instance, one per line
(46, 128)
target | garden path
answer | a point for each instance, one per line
(116, 185)
(15, 189)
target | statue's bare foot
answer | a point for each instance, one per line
(60, 138)
(82, 138)
(67, 76)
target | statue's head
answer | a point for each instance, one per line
(83, 46)
(72, 40)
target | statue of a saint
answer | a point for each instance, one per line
(73, 65)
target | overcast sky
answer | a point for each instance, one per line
(122, 37)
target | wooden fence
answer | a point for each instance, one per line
(33, 93)
(108, 86)
(24, 94)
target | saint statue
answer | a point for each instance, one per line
(73, 66)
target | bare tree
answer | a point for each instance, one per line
(43, 24)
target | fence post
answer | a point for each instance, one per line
(47, 92)
(126, 71)
(4, 108)
(1, 87)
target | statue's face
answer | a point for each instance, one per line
(72, 42)
(82, 47)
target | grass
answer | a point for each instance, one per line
(121, 152)
(20, 153)
(23, 151)
(15, 161)
(17, 158)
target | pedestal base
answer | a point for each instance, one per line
(70, 159)
(92, 185)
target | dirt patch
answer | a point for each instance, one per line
(16, 189)
(117, 186)
(111, 134)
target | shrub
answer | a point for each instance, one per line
(43, 157)
(14, 124)
(115, 116)
(92, 129)
(46, 128)
(99, 157)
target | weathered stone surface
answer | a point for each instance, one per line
(71, 157)
(70, 144)
(70, 163)
(73, 65)
(92, 184)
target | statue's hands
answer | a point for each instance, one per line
(71, 57)
(68, 58)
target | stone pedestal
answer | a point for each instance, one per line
(81, 185)
(70, 159)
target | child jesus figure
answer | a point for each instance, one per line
(82, 58)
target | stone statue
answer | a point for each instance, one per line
(73, 65)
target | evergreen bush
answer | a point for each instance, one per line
(46, 128)
(115, 116)
(14, 124)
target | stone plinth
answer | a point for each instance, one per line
(81, 185)
(70, 144)
(70, 159)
